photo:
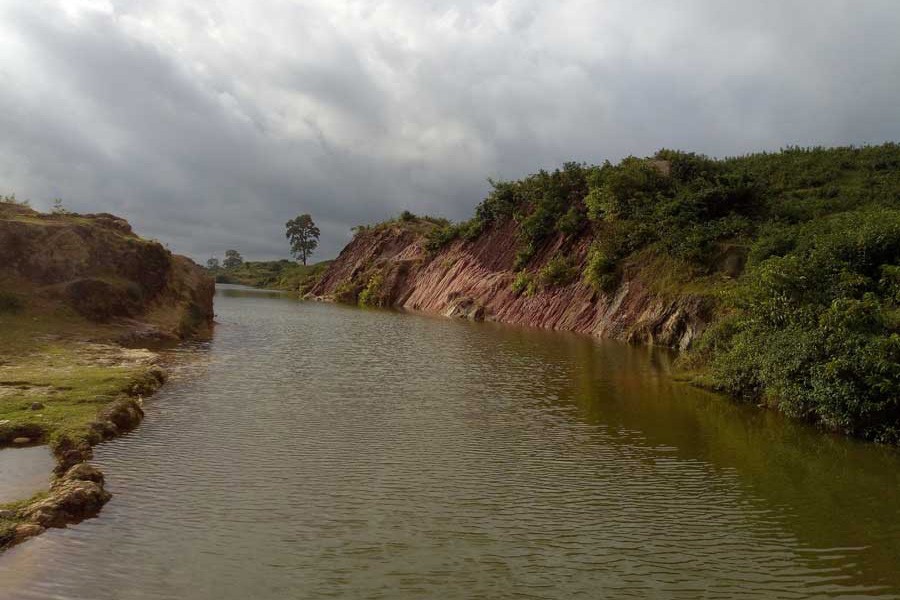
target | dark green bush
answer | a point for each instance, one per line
(600, 271)
(559, 271)
(523, 284)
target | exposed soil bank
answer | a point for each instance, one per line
(79, 296)
(389, 266)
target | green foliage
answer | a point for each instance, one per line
(439, 237)
(233, 259)
(407, 216)
(371, 294)
(812, 333)
(303, 236)
(275, 274)
(559, 271)
(544, 204)
(627, 190)
(523, 284)
(600, 271)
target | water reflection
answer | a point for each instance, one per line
(316, 451)
(24, 472)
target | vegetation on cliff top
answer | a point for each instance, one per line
(798, 253)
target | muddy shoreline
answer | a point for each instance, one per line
(77, 489)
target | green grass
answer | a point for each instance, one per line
(45, 358)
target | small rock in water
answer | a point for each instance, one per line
(36, 406)
(21, 440)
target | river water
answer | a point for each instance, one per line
(317, 451)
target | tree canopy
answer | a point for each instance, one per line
(233, 259)
(303, 235)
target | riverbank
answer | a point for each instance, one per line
(776, 275)
(82, 302)
(69, 393)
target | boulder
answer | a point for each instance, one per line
(465, 308)
(71, 499)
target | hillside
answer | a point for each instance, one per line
(81, 299)
(778, 275)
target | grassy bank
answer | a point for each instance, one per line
(75, 290)
(57, 371)
(60, 378)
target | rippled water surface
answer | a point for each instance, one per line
(315, 451)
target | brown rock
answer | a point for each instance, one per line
(84, 472)
(121, 416)
(25, 531)
(22, 440)
(69, 501)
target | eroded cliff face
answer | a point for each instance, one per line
(474, 279)
(97, 266)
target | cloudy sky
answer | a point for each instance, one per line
(209, 123)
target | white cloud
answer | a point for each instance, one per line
(209, 124)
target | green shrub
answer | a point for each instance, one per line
(523, 284)
(439, 237)
(371, 295)
(600, 271)
(559, 271)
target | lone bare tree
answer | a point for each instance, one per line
(303, 235)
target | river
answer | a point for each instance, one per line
(319, 451)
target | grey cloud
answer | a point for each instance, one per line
(208, 125)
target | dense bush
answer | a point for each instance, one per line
(558, 271)
(815, 333)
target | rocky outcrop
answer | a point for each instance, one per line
(77, 495)
(474, 280)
